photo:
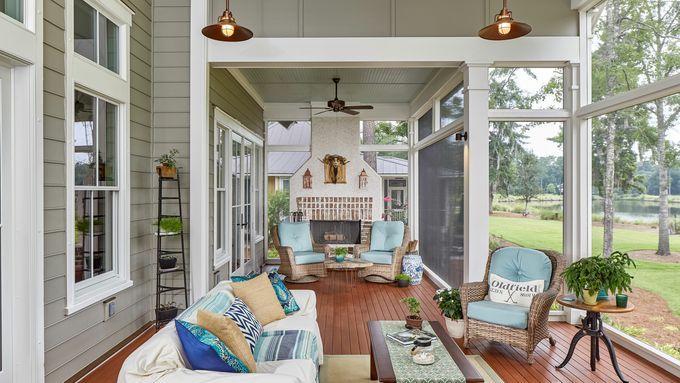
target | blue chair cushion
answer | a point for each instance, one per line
(307, 257)
(205, 351)
(381, 257)
(499, 313)
(284, 295)
(295, 235)
(520, 264)
(386, 235)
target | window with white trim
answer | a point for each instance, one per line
(221, 254)
(13, 9)
(98, 211)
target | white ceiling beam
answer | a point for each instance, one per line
(528, 115)
(388, 51)
(241, 79)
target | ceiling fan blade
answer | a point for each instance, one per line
(359, 107)
(327, 110)
(314, 107)
(349, 111)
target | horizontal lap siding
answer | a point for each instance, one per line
(72, 342)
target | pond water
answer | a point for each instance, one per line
(627, 210)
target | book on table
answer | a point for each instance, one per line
(407, 337)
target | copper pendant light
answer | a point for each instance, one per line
(504, 28)
(226, 29)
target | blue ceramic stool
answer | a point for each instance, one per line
(412, 265)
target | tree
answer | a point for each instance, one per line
(368, 134)
(527, 178)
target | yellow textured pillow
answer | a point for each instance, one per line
(229, 333)
(260, 297)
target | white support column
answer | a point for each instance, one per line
(476, 170)
(199, 150)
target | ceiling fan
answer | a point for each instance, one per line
(337, 105)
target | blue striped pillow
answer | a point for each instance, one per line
(246, 321)
(216, 303)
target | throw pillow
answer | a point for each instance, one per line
(284, 295)
(251, 328)
(205, 351)
(260, 297)
(230, 334)
(503, 290)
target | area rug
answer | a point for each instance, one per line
(356, 368)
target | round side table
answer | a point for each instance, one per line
(592, 327)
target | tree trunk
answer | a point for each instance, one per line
(371, 158)
(664, 233)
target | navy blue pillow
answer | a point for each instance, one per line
(205, 351)
(284, 295)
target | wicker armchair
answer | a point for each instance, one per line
(539, 311)
(383, 273)
(306, 273)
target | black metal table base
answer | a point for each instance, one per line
(592, 326)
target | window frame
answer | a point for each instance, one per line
(86, 76)
(221, 255)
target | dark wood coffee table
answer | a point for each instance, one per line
(381, 365)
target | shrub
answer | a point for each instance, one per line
(277, 207)
(402, 277)
(550, 215)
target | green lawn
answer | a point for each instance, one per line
(660, 278)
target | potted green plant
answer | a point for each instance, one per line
(167, 311)
(402, 280)
(340, 254)
(168, 164)
(167, 262)
(587, 276)
(170, 225)
(448, 301)
(413, 320)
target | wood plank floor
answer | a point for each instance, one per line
(344, 310)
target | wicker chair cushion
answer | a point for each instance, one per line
(519, 264)
(499, 313)
(386, 235)
(295, 235)
(307, 257)
(381, 257)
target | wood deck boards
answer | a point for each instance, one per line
(343, 312)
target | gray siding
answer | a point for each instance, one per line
(74, 341)
(403, 18)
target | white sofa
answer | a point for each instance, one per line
(161, 359)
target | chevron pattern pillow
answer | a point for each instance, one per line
(246, 321)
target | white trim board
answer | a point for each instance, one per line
(388, 51)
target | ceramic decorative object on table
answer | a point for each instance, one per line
(412, 265)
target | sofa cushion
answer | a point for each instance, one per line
(295, 235)
(386, 235)
(307, 257)
(230, 334)
(251, 328)
(519, 264)
(381, 257)
(286, 298)
(260, 297)
(205, 351)
(499, 313)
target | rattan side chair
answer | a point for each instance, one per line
(539, 311)
(295, 273)
(383, 273)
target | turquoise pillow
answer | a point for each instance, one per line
(205, 351)
(284, 295)
(386, 235)
(520, 264)
(295, 235)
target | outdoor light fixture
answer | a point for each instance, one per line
(504, 28)
(226, 29)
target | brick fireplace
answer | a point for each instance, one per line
(338, 209)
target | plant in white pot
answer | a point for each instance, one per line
(448, 301)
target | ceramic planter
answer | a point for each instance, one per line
(414, 322)
(589, 299)
(455, 327)
(167, 263)
(339, 258)
(166, 172)
(403, 283)
(166, 314)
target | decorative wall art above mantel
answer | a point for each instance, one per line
(307, 180)
(334, 169)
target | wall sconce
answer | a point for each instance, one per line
(307, 180)
(462, 136)
(363, 179)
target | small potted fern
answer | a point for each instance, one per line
(340, 254)
(168, 164)
(170, 225)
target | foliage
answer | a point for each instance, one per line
(341, 251)
(272, 253)
(277, 207)
(168, 159)
(550, 215)
(448, 301)
(168, 306)
(527, 178)
(83, 225)
(167, 257)
(413, 305)
(170, 224)
(598, 272)
(402, 277)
